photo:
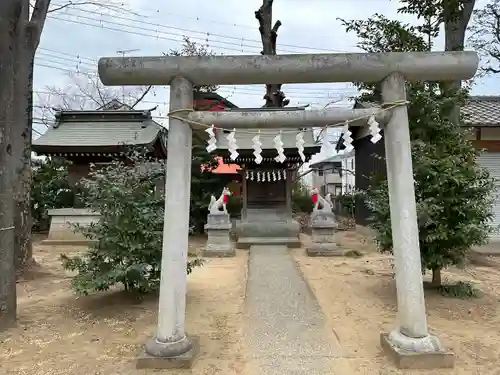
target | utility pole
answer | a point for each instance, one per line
(123, 53)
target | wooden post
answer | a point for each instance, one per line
(244, 198)
(288, 191)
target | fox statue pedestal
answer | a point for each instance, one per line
(323, 227)
(219, 243)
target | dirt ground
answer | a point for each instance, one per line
(358, 296)
(59, 334)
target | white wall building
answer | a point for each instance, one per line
(334, 175)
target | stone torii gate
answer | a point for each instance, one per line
(171, 347)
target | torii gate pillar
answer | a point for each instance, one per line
(410, 342)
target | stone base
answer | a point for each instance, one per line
(406, 359)
(247, 242)
(61, 231)
(68, 242)
(218, 253)
(182, 361)
(218, 229)
(324, 250)
(266, 228)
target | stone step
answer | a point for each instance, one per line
(246, 242)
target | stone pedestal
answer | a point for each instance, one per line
(61, 231)
(219, 243)
(424, 353)
(181, 355)
(323, 228)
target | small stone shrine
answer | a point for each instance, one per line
(323, 226)
(218, 228)
(269, 162)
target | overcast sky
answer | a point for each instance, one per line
(74, 38)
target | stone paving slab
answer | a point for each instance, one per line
(286, 329)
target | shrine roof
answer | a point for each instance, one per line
(100, 131)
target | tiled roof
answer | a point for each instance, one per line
(101, 129)
(482, 111)
(477, 110)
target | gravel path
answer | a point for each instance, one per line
(286, 328)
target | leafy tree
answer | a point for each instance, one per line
(49, 189)
(128, 235)
(22, 25)
(453, 193)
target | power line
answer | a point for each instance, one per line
(238, 41)
(92, 63)
(196, 18)
(227, 91)
(247, 90)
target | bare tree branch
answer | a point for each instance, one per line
(140, 98)
(191, 48)
(116, 7)
(84, 92)
(485, 36)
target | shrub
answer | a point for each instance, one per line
(453, 193)
(348, 202)
(301, 199)
(234, 206)
(128, 235)
(49, 189)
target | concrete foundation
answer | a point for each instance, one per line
(323, 229)
(219, 242)
(423, 360)
(185, 360)
(61, 231)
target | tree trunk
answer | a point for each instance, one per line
(274, 97)
(436, 277)
(22, 143)
(10, 31)
(454, 35)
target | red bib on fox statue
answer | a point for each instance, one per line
(314, 195)
(226, 193)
